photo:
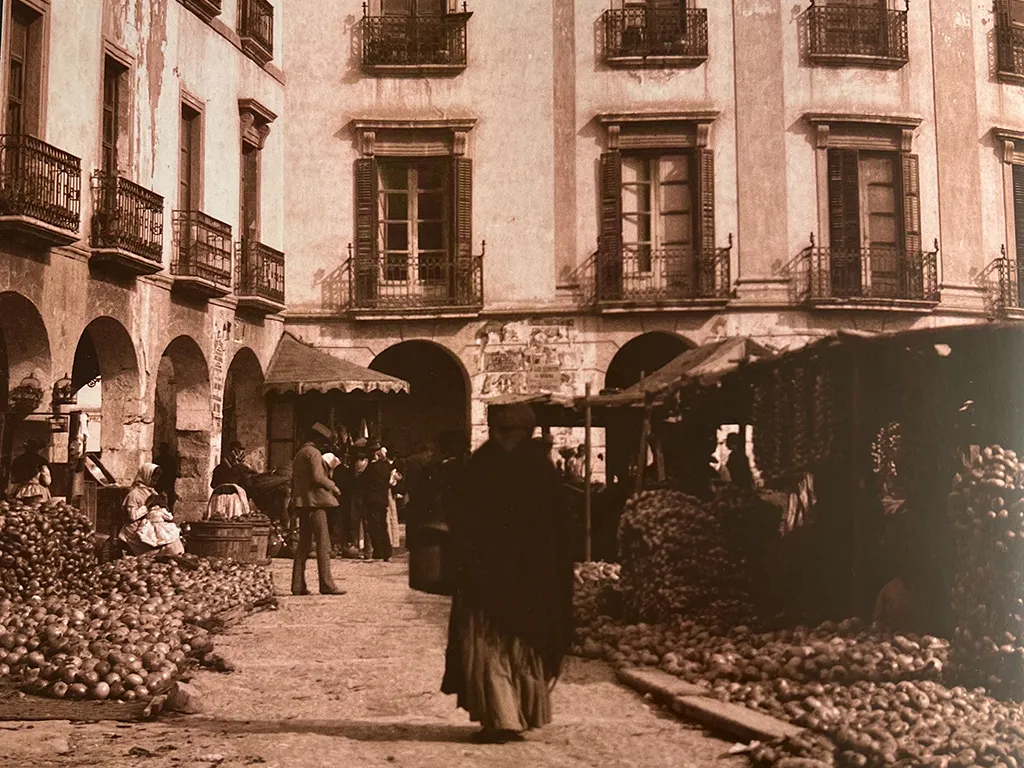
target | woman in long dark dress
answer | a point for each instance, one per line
(512, 608)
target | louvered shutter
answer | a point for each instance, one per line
(1018, 210)
(843, 222)
(706, 251)
(364, 270)
(462, 231)
(1004, 36)
(609, 259)
(912, 266)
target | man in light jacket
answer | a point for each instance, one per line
(313, 493)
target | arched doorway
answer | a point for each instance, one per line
(438, 400)
(638, 357)
(245, 409)
(25, 365)
(183, 418)
(105, 374)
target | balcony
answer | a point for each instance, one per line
(256, 29)
(641, 36)
(1010, 52)
(871, 276)
(1004, 282)
(857, 35)
(660, 278)
(127, 225)
(40, 191)
(207, 10)
(259, 277)
(415, 45)
(445, 288)
(202, 255)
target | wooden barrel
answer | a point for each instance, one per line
(221, 538)
(260, 540)
(429, 567)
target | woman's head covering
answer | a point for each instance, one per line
(145, 474)
(512, 417)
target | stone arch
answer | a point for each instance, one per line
(24, 355)
(640, 356)
(183, 418)
(245, 408)
(105, 373)
(439, 398)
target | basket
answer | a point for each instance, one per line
(222, 538)
(429, 566)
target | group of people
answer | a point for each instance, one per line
(509, 543)
(333, 475)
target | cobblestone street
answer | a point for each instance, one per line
(353, 680)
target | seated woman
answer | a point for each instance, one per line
(150, 529)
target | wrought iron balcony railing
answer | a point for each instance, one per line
(259, 273)
(256, 29)
(857, 34)
(431, 286)
(127, 217)
(202, 249)
(1010, 52)
(418, 44)
(868, 274)
(638, 276)
(1004, 284)
(39, 182)
(655, 36)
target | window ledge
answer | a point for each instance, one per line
(865, 304)
(857, 60)
(416, 313)
(655, 62)
(414, 70)
(32, 229)
(256, 51)
(260, 305)
(125, 260)
(666, 305)
(207, 10)
(1013, 78)
(200, 286)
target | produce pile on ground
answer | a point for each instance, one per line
(45, 549)
(988, 596)
(596, 592)
(124, 630)
(684, 557)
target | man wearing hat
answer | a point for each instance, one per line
(375, 484)
(313, 493)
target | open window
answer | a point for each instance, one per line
(25, 71)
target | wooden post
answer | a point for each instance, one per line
(589, 469)
(645, 431)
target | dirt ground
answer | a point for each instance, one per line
(353, 680)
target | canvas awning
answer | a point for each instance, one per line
(299, 367)
(704, 364)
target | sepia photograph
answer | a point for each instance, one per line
(512, 383)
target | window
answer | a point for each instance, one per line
(874, 223)
(1017, 12)
(25, 67)
(413, 7)
(114, 117)
(657, 236)
(249, 215)
(1018, 222)
(190, 160)
(413, 216)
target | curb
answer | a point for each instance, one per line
(693, 703)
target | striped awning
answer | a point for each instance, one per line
(299, 367)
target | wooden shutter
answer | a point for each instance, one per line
(843, 200)
(462, 229)
(609, 261)
(1018, 210)
(706, 251)
(911, 204)
(364, 270)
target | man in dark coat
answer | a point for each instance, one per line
(313, 493)
(375, 484)
(511, 618)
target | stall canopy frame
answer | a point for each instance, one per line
(299, 367)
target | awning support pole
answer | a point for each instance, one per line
(589, 470)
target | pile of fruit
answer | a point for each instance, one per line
(122, 630)
(596, 592)
(987, 505)
(682, 557)
(130, 640)
(45, 549)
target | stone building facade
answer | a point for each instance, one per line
(647, 176)
(141, 225)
